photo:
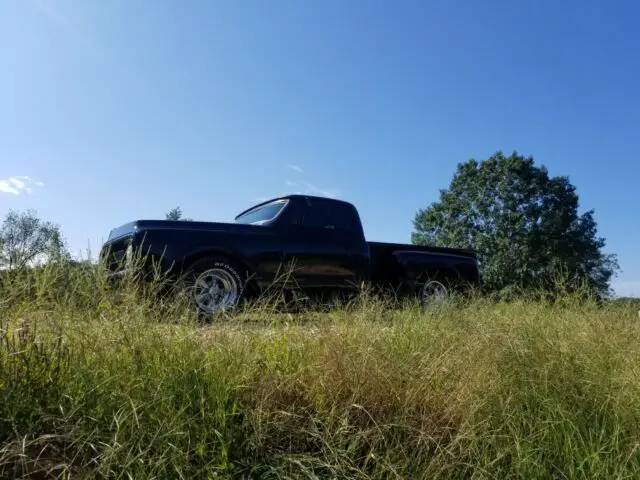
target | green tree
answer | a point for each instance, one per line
(25, 240)
(523, 223)
(176, 214)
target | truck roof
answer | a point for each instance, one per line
(294, 196)
(317, 197)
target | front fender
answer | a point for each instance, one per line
(200, 253)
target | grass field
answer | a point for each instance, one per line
(102, 384)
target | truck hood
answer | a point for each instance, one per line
(146, 225)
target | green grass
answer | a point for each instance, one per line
(97, 383)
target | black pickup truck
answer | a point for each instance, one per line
(316, 243)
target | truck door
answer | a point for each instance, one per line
(327, 248)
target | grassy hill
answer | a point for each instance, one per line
(96, 383)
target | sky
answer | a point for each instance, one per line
(115, 111)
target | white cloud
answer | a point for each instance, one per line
(296, 168)
(18, 185)
(6, 187)
(17, 182)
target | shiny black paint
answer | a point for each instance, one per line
(322, 258)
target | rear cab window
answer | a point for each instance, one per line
(331, 215)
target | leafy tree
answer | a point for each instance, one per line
(524, 224)
(25, 239)
(176, 214)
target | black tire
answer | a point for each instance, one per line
(435, 291)
(214, 285)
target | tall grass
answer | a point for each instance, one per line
(97, 382)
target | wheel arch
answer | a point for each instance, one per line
(234, 257)
(436, 273)
(418, 267)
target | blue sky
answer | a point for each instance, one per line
(112, 111)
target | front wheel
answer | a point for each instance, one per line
(213, 286)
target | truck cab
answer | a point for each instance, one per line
(322, 239)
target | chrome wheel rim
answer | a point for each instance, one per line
(215, 290)
(433, 293)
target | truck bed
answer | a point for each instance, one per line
(383, 264)
(382, 248)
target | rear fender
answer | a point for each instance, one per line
(419, 266)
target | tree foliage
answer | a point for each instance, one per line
(524, 224)
(25, 239)
(176, 214)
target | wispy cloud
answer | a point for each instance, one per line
(296, 168)
(18, 185)
(309, 189)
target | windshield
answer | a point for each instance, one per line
(263, 213)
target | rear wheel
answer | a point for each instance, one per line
(214, 285)
(434, 293)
